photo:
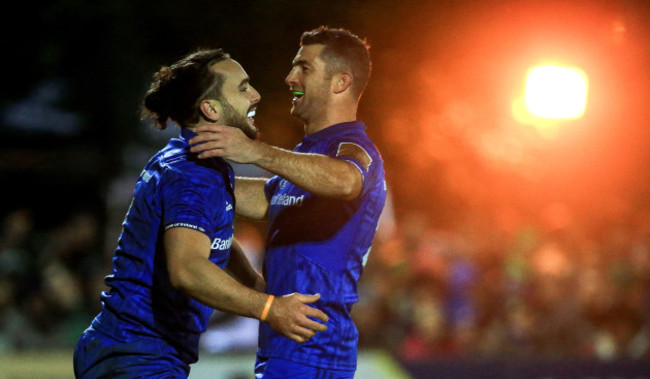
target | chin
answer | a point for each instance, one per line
(252, 132)
(297, 114)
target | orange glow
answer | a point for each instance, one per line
(556, 92)
(470, 113)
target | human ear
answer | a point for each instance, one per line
(341, 82)
(209, 110)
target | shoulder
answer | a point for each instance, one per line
(186, 171)
(356, 134)
(355, 143)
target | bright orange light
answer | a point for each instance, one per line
(556, 92)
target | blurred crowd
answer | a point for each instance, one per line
(50, 279)
(427, 291)
(530, 291)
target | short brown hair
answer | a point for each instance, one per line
(343, 50)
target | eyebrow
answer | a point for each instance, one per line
(300, 62)
(244, 82)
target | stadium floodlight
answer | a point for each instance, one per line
(554, 92)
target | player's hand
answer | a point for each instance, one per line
(289, 316)
(225, 142)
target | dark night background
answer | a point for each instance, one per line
(444, 72)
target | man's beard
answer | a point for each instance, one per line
(234, 119)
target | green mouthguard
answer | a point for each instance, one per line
(298, 93)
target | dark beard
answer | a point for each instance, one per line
(232, 118)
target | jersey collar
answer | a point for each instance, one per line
(187, 134)
(334, 130)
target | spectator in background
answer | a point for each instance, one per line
(19, 280)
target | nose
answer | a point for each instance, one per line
(255, 96)
(291, 78)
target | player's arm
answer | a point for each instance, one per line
(315, 173)
(191, 272)
(250, 197)
(240, 268)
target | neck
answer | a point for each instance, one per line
(333, 115)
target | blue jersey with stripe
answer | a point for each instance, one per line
(320, 245)
(175, 189)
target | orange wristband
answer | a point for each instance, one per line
(267, 306)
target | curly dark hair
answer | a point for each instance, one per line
(177, 90)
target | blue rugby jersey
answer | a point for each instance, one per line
(175, 189)
(320, 245)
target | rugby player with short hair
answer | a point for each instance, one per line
(323, 204)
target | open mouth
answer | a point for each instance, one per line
(251, 115)
(297, 95)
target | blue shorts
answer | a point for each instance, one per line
(272, 368)
(97, 356)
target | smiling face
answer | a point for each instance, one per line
(239, 99)
(309, 82)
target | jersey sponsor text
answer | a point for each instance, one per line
(288, 200)
(221, 244)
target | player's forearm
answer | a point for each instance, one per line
(212, 286)
(315, 173)
(240, 268)
(250, 197)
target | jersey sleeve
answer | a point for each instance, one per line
(270, 186)
(356, 151)
(190, 201)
